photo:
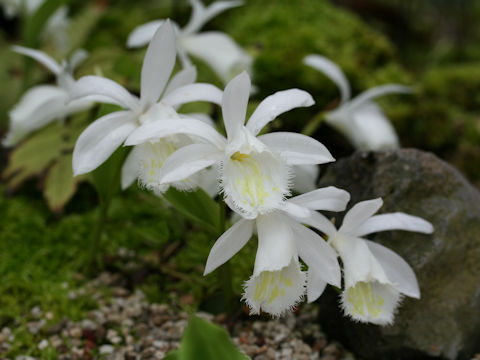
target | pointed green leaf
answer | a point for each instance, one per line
(196, 205)
(172, 355)
(203, 340)
(60, 185)
(34, 155)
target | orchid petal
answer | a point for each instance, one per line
(358, 214)
(397, 269)
(158, 129)
(158, 64)
(394, 221)
(229, 244)
(141, 35)
(328, 198)
(276, 243)
(377, 91)
(315, 220)
(188, 160)
(100, 139)
(130, 169)
(371, 302)
(194, 92)
(219, 51)
(297, 149)
(41, 57)
(78, 57)
(332, 71)
(184, 77)
(276, 104)
(315, 285)
(371, 130)
(235, 101)
(201, 14)
(97, 88)
(317, 254)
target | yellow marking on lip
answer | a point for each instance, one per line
(361, 296)
(238, 156)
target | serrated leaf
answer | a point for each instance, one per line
(60, 185)
(196, 205)
(203, 340)
(34, 155)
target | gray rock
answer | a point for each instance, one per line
(446, 321)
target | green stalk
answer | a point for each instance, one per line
(225, 271)
(95, 261)
(313, 124)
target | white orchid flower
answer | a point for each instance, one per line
(278, 283)
(255, 170)
(13, 8)
(360, 119)
(101, 138)
(215, 48)
(42, 104)
(375, 276)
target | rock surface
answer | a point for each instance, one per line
(446, 321)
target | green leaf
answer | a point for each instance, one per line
(203, 340)
(60, 185)
(196, 205)
(35, 23)
(34, 155)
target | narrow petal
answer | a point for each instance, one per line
(397, 270)
(394, 221)
(377, 91)
(229, 244)
(371, 302)
(158, 64)
(235, 101)
(315, 285)
(194, 92)
(219, 51)
(130, 169)
(305, 178)
(316, 253)
(41, 57)
(201, 14)
(315, 220)
(276, 104)
(328, 199)
(158, 129)
(332, 71)
(77, 58)
(100, 139)
(297, 149)
(188, 160)
(97, 88)
(184, 77)
(141, 35)
(358, 214)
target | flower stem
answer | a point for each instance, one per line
(95, 261)
(313, 124)
(225, 271)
